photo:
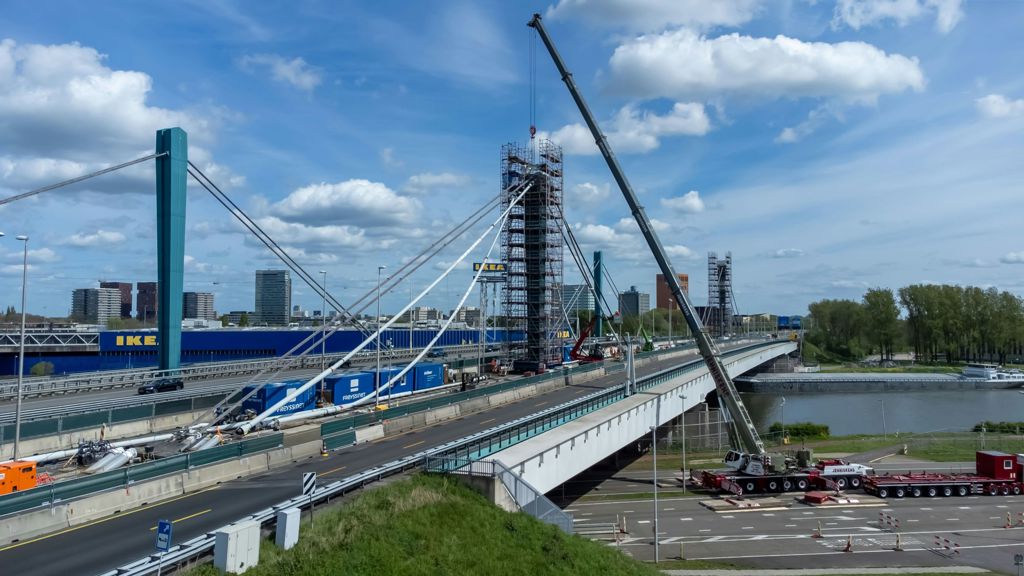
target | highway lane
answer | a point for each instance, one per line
(8, 407)
(111, 542)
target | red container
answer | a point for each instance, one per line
(996, 465)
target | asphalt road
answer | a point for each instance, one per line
(8, 407)
(111, 542)
(782, 538)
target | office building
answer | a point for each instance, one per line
(198, 305)
(634, 303)
(125, 291)
(577, 298)
(145, 301)
(273, 297)
(95, 305)
(663, 297)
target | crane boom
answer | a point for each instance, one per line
(743, 426)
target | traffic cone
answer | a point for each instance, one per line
(323, 449)
(817, 531)
(849, 544)
(899, 543)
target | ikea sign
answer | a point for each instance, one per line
(489, 266)
(133, 340)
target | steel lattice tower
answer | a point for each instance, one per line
(720, 300)
(532, 248)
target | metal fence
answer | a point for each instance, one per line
(56, 492)
(526, 497)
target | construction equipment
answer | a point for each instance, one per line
(17, 475)
(595, 354)
(750, 458)
(996, 474)
(648, 343)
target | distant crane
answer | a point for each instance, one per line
(751, 458)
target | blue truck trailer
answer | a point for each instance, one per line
(273, 392)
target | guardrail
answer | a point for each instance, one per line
(464, 448)
(114, 379)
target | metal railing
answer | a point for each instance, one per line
(466, 449)
(526, 497)
(113, 379)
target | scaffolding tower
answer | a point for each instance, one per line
(532, 251)
(721, 304)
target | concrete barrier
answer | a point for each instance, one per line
(370, 433)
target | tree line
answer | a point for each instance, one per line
(938, 322)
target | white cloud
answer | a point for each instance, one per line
(680, 252)
(387, 156)
(421, 183)
(689, 203)
(681, 65)
(632, 131)
(98, 238)
(1013, 258)
(65, 113)
(323, 236)
(815, 118)
(645, 15)
(295, 71)
(628, 225)
(999, 106)
(37, 255)
(590, 194)
(860, 13)
(357, 202)
(788, 253)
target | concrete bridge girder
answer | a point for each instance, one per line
(549, 459)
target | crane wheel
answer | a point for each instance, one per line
(787, 485)
(883, 493)
(855, 482)
(947, 491)
(801, 485)
(915, 492)
(841, 483)
(932, 492)
(961, 491)
(900, 492)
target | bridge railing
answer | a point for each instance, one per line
(526, 497)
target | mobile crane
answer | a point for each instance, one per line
(748, 457)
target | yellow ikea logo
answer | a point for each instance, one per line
(135, 340)
(489, 267)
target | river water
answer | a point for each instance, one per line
(863, 412)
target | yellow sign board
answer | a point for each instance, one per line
(489, 266)
(135, 340)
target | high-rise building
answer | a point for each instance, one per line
(577, 298)
(664, 299)
(125, 290)
(198, 305)
(634, 303)
(273, 297)
(145, 301)
(95, 305)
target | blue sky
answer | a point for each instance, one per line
(831, 146)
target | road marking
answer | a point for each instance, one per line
(627, 511)
(790, 526)
(807, 513)
(767, 514)
(747, 528)
(333, 470)
(1000, 506)
(965, 507)
(489, 420)
(414, 444)
(993, 517)
(182, 519)
(726, 516)
(925, 508)
(911, 520)
(107, 519)
(539, 404)
(831, 523)
(685, 519)
(586, 514)
(952, 519)
(705, 530)
(643, 521)
(668, 509)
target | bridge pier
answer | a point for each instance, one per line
(171, 185)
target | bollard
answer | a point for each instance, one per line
(682, 554)
(1009, 521)
(817, 532)
(849, 544)
(625, 530)
(323, 449)
(899, 543)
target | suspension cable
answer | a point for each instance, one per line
(79, 178)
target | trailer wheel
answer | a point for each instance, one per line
(961, 490)
(855, 482)
(900, 492)
(993, 490)
(841, 483)
(1016, 489)
(749, 488)
(773, 486)
(1004, 490)
(947, 491)
(787, 485)
(883, 492)
(801, 484)
(932, 492)
(915, 492)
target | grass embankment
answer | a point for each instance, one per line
(434, 525)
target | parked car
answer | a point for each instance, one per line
(162, 385)
(436, 353)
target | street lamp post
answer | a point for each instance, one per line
(783, 419)
(654, 446)
(323, 321)
(683, 416)
(376, 392)
(21, 346)
(882, 402)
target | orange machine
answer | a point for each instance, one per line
(17, 475)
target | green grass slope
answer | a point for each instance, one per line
(434, 525)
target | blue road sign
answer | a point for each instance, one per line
(163, 535)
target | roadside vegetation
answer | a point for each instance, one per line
(941, 323)
(434, 525)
